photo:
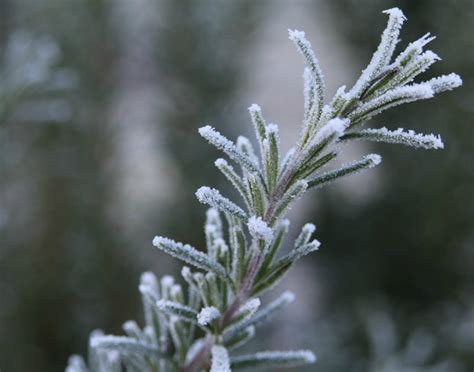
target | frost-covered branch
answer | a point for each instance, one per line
(242, 257)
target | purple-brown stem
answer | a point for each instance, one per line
(202, 357)
(195, 365)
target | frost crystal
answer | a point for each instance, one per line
(305, 235)
(445, 82)
(390, 99)
(309, 228)
(250, 307)
(207, 315)
(254, 108)
(413, 49)
(334, 127)
(167, 280)
(374, 159)
(304, 46)
(384, 52)
(245, 146)
(213, 197)
(120, 343)
(314, 83)
(188, 254)
(272, 128)
(259, 229)
(220, 359)
(220, 162)
(399, 136)
(275, 359)
(287, 297)
(222, 143)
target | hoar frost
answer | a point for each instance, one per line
(235, 268)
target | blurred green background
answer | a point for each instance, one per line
(100, 101)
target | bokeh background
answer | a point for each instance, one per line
(100, 101)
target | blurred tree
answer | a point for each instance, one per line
(415, 238)
(64, 267)
(200, 59)
(57, 231)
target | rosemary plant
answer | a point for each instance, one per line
(198, 328)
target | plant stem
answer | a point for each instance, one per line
(201, 358)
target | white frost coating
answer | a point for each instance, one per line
(309, 228)
(221, 249)
(259, 124)
(167, 280)
(244, 145)
(207, 315)
(148, 278)
(120, 343)
(287, 297)
(339, 98)
(399, 136)
(213, 197)
(285, 223)
(236, 181)
(186, 272)
(272, 128)
(304, 355)
(445, 82)
(315, 96)
(305, 235)
(308, 91)
(227, 146)
(221, 163)
(149, 285)
(149, 332)
(176, 291)
(164, 304)
(304, 47)
(130, 326)
(210, 229)
(276, 358)
(304, 250)
(245, 313)
(176, 309)
(418, 91)
(394, 97)
(113, 356)
(250, 307)
(220, 359)
(334, 127)
(416, 66)
(243, 141)
(76, 364)
(368, 161)
(188, 277)
(221, 244)
(383, 54)
(395, 12)
(288, 158)
(429, 55)
(414, 49)
(254, 108)
(188, 254)
(374, 159)
(259, 229)
(423, 62)
(211, 214)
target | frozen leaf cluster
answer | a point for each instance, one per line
(200, 327)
